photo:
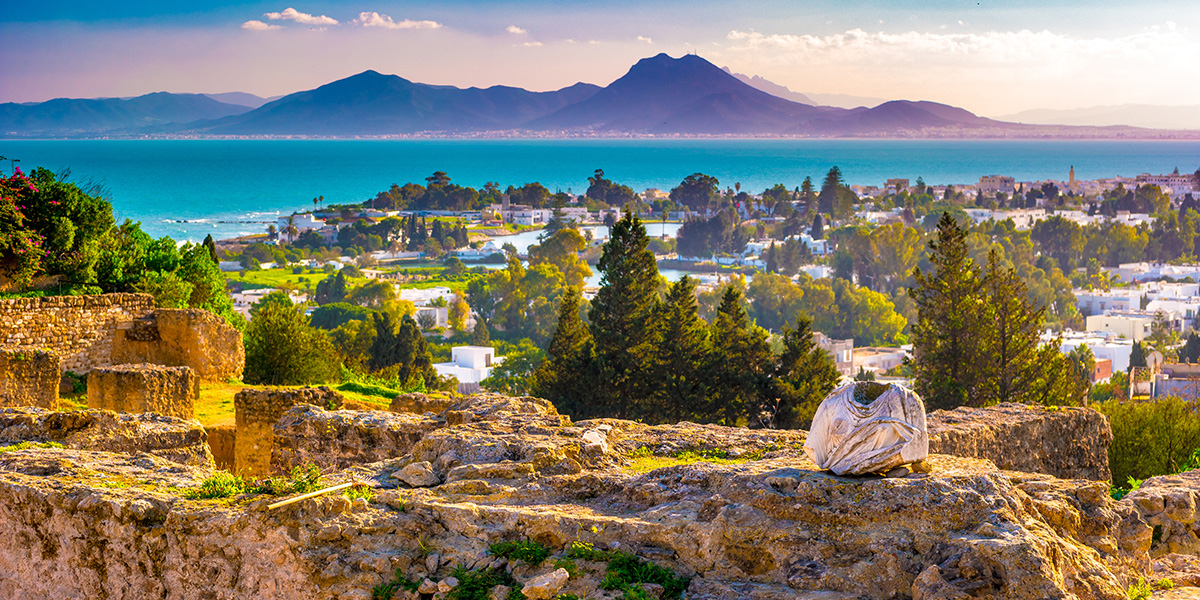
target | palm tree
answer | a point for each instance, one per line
(291, 229)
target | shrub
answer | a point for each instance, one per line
(477, 584)
(1151, 438)
(385, 591)
(363, 491)
(282, 349)
(303, 479)
(525, 550)
(221, 485)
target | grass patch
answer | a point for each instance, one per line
(644, 460)
(222, 484)
(477, 584)
(214, 407)
(525, 550)
(363, 491)
(626, 572)
(302, 480)
(400, 581)
(28, 445)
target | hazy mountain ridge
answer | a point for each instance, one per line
(1132, 115)
(67, 116)
(658, 96)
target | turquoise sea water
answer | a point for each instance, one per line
(248, 182)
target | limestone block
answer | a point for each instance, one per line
(184, 337)
(865, 427)
(546, 586)
(1067, 442)
(255, 414)
(29, 377)
(419, 404)
(144, 388)
(1168, 503)
(178, 440)
(418, 474)
(340, 438)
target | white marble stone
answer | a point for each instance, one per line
(850, 437)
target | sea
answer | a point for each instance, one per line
(188, 189)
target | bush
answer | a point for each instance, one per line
(220, 485)
(1151, 438)
(302, 480)
(526, 550)
(282, 349)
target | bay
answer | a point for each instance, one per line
(191, 188)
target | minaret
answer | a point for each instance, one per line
(1072, 175)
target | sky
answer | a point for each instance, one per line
(990, 57)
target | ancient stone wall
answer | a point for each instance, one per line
(144, 388)
(185, 337)
(1060, 441)
(170, 438)
(419, 404)
(80, 329)
(221, 441)
(255, 414)
(29, 377)
(340, 438)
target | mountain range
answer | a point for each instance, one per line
(658, 96)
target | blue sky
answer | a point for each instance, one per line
(989, 57)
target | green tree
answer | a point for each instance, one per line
(211, 246)
(803, 376)
(562, 249)
(1008, 341)
(564, 376)
(818, 227)
(827, 200)
(402, 348)
(168, 289)
(621, 313)
(696, 191)
(479, 335)
(282, 349)
(679, 353)
(945, 335)
(738, 364)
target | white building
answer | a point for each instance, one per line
(1102, 346)
(441, 314)
(990, 184)
(1092, 302)
(470, 365)
(1144, 271)
(1128, 327)
(424, 297)
(302, 222)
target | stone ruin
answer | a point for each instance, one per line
(257, 411)
(29, 378)
(176, 440)
(182, 337)
(738, 513)
(144, 388)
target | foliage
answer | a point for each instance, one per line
(1151, 438)
(302, 480)
(27, 445)
(524, 550)
(400, 581)
(696, 191)
(720, 234)
(804, 375)
(220, 485)
(283, 349)
(364, 491)
(514, 376)
(561, 376)
(626, 572)
(402, 347)
(477, 584)
(563, 249)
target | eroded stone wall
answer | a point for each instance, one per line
(1067, 442)
(29, 377)
(340, 438)
(185, 337)
(255, 414)
(80, 329)
(144, 388)
(173, 439)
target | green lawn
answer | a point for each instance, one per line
(215, 405)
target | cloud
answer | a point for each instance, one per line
(374, 19)
(532, 44)
(259, 26)
(642, 38)
(985, 69)
(291, 14)
(513, 29)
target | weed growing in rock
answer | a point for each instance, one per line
(626, 572)
(1118, 492)
(1164, 584)
(568, 596)
(222, 484)
(363, 491)
(385, 591)
(525, 550)
(27, 445)
(477, 584)
(568, 565)
(1140, 590)
(303, 479)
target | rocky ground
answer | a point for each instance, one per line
(625, 510)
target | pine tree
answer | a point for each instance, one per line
(945, 334)
(772, 265)
(562, 377)
(1009, 339)
(621, 314)
(675, 368)
(827, 200)
(738, 364)
(808, 195)
(818, 227)
(804, 375)
(403, 348)
(479, 335)
(212, 248)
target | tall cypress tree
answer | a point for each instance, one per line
(562, 378)
(827, 199)
(211, 246)
(945, 334)
(676, 364)
(621, 314)
(1009, 340)
(804, 375)
(738, 364)
(401, 347)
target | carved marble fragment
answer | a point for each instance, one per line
(865, 427)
